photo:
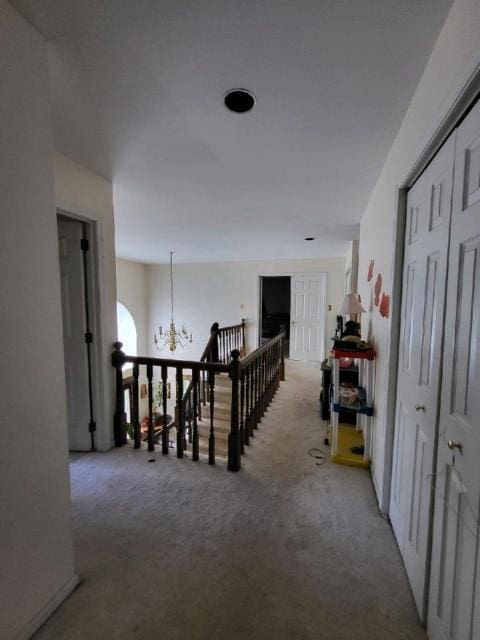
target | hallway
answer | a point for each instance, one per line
(290, 547)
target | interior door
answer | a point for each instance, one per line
(307, 316)
(424, 281)
(70, 234)
(454, 608)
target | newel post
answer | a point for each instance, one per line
(244, 346)
(282, 355)
(234, 451)
(119, 417)
(214, 331)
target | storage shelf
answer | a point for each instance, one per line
(358, 408)
(365, 354)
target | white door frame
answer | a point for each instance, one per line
(290, 274)
(93, 290)
(260, 295)
(454, 109)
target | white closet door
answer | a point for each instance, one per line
(70, 233)
(424, 279)
(307, 316)
(454, 607)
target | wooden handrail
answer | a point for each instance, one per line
(246, 360)
(215, 367)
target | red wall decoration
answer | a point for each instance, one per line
(384, 307)
(381, 299)
(371, 266)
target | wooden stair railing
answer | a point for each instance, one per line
(254, 381)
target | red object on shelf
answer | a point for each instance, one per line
(366, 354)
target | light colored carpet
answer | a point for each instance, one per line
(285, 549)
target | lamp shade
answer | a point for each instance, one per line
(351, 305)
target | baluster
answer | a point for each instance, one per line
(252, 400)
(151, 443)
(262, 385)
(282, 357)
(277, 363)
(196, 407)
(246, 427)
(234, 447)
(270, 374)
(204, 389)
(135, 416)
(243, 348)
(266, 381)
(274, 369)
(180, 418)
(243, 431)
(199, 402)
(211, 437)
(190, 435)
(265, 385)
(119, 418)
(256, 381)
(164, 409)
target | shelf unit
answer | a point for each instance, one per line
(342, 436)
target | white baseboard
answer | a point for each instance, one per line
(42, 616)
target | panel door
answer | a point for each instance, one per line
(70, 233)
(424, 281)
(454, 608)
(307, 317)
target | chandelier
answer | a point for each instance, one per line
(172, 337)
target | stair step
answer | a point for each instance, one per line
(222, 382)
(223, 412)
(220, 453)
(220, 431)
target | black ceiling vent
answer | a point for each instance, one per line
(239, 100)
(309, 239)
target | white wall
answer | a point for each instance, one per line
(456, 51)
(225, 292)
(132, 292)
(37, 558)
(83, 193)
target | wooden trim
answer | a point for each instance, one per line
(44, 614)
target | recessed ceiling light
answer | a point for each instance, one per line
(309, 239)
(239, 100)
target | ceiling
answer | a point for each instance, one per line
(137, 95)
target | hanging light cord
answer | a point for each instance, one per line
(171, 283)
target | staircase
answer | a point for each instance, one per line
(221, 418)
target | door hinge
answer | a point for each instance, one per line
(89, 337)
(92, 426)
(84, 246)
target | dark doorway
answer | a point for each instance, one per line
(275, 307)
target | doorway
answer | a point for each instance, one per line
(76, 283)
(275, 308)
